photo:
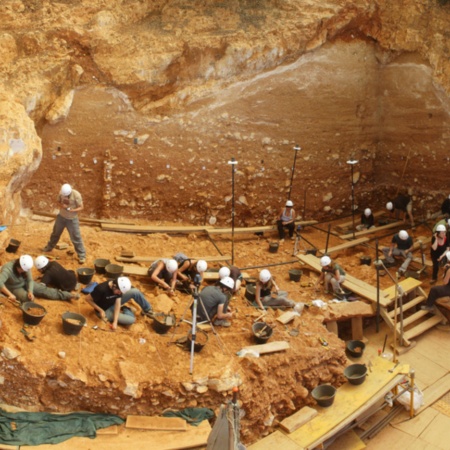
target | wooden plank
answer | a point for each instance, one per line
(345, 245)
(434, 392)
(152, 228)
(421, 328)
(351, 401)
(399, 223)
(150, 259)
(350, 222)
(212, 276)
(260, 229)
(271, 347)
(287, 317)
(292, 423)
(130, 269)
(156, 423)
(408, 285)
(84, 219)
(275, 440)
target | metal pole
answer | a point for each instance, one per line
(352, 162)
(377, 317)
(297, 148)
(233, 162)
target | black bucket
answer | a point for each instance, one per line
(355, 349)
(261, 332)
(162, 323)
(33, 313)
(324, 394)
(73, 323)
(13, 245)
(113, 271)
(311, 251)
(356, 373)
(201, 338)
(251, 281)
(365, 260)
(295, 274)
(85, 275)
(250, 292)
(273, 247)
(100, 265)
(344, 295)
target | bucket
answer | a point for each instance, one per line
(113, 271)
(162, 323)
(344, 295)
(261, 332)
(13, 245)
(100, 265)
(295, 274)
(355, 349)
(85, 275)
(312, 251)
(73, 323)
(273, 247)
(365, 260)
(201, 338)
(251, 281)
(356, 373)
(250, 292)
(324, 394)
(33, 313)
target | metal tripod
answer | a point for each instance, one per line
(298, 241)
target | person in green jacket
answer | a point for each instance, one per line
(16, 282)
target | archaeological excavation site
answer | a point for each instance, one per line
(254, 135)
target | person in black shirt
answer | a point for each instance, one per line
(401, 245)
(55, 275)
(402, 204)
(367, 220)
(445, 207)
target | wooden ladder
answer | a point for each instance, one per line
(415, 320)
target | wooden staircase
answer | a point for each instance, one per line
(409, 321)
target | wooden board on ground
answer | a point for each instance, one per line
(399, 223)
(298, 419)
(345, 245)
(131, 269)
(212, 276)
(127, 438)
(344, 225)
(434, 392)
(271, 347)
(84, 219)
(153, 228)
(287, 317)
(261, 229)
(156, 423)
(275, 440)
(150, 259)
(350, 403)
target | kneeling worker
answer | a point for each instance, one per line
(234, 273)
(263, 292)
(437, 292)
(109, 298)
(55, 275)
(401, 245)
(213, 303)
(332, 273)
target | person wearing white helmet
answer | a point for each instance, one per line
(234, 273)
(332, 274)
(268, 294)
(440, 291)
(70, 204)
(367, 220)
(401, 206)
(55, 275)
(164, 273)
(190, 271)
(401, 245)
(109, 302)
(286, 219)
(439, 246)
(16, 282)
(213, 303)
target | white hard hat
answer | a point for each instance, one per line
(325, 261)
(448, 256)
(403, 234)
(264, 276)
(367, 212)
(289, 203)
(201, 265)
(389, 206)
(224, 272)
(66, 190)
(26, 262)
(171, 265)
(441, 227)
(228, 282)
(124, 284)
(40, 262)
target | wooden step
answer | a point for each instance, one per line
(414, 317)
(406, 306)
(421, 328)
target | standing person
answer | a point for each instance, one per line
(70, 203)
(445, 207)
(234, 273)
(55, 275)
(401, 245)
(109, 298)
(402, 204)
(214, 303)
(16, 282)
(263, 292)
(439, 246)
(164, 273)
(367, 220)
(332, 273)
(443, 290)
(286, 219)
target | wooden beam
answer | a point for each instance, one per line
(399, 223)
(153, 228)
(156, 423)
(260, 229)
(294, 422)
(84, 219)
(345, 245)
(271, 347)
(150, 259)
(350, 222)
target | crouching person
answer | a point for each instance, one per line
(16, 282)
(109, 298)
(267, 292)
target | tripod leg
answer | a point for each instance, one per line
(212, 326)
(180, 321)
